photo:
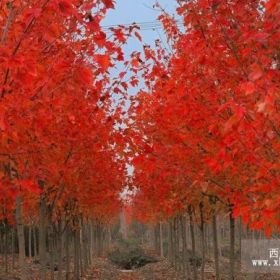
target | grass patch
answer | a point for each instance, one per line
(128, 255)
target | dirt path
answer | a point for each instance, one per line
(162, 270)
(104, 270)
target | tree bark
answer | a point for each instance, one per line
(6, 246)
(77, 256)
(67, 253)
(59, 250)
(30, 241)
(176, 244)
(42, 240)
(185, 258)
(51, 250)
(21, 239)
(13, 248)
(35, 246)
(202, 235)
(232, 245)
(193, 242)
(216, 248)
(161, 240)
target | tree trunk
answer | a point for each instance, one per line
(21, 239)
(89, 253)
(232, 244)
(202, 235)
(51, 250)
(169, 242)
(193, 242)
(185, 257)
(176, 244)
(77, 256)
(35, 247)
(161, 240)
(240, 242)
(84, 247)
(13, 248)
(215, 243)
(67, 253)
(59, 250)
(42, 240)
(29, 241)
(6, 246)
(172, 242)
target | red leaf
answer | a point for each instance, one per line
(261, 36)
(65, 7)
(35, 12)
(122, 74)
(256, 72)
(109, 4)
(138, 36)
(104, 61)
(30, 186)
(3, 125)
(249, 87)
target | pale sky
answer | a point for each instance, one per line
(139, 11)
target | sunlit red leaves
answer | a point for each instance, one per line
(248, 87)
(3, 123)
(52, 122)
(234, 120)
(104, 61)
(29, 186)
(210, 107)
(35, 12)
(256, 72)
(109, 4)
(66, 7)
(119, 34)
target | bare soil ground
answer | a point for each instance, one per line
(102, 269)
(162, 270)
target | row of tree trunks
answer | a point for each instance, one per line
(188, 237)
(63, 248)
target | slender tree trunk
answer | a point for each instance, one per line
(176, 245)
(51, 250)
(193, 242)
(6, 246)
(80, 248)
(90, 242)
(240, 242)
(98, 241)
(169, 242)
(172, 242)
(67, 253)
(60, 251)
(13, 248)
(29, 241)
(185, 257)
(2, 249)
(161, 240)
(215, 243)
(84, 247)
(202, 234)
(76, 255)
(21, 239)
(35, 247)
(219, 236)
(42, 240)
(232, 244)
